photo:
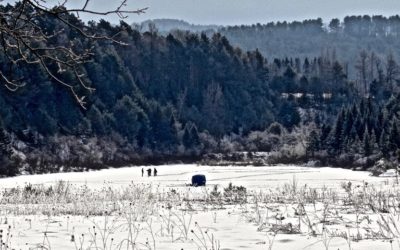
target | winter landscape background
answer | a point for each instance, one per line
(294, 120)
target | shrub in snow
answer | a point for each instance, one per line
(381, 166)
(235, 194)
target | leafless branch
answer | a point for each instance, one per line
(24, 40)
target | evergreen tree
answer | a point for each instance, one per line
(313, 144)
(96, 120)
(186, 139)
(336, 137)
(367, 147)
(394, 136)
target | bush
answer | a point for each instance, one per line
(235, 194)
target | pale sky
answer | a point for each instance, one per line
(246, 11)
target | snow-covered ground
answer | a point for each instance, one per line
(289, 207)
(179, 175)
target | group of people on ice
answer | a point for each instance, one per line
(149, 172)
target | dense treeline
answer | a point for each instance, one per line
(341, 122)
(364, 132)
(155, 98)
(177, 97)
(310, 38)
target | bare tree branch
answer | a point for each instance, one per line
(25, 40)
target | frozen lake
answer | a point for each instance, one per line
(179, 175)
(236, 226)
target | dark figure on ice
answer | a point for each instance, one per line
(148, 172)
(155, 172)
(142, 172)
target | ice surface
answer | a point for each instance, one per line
(180, 175)
(234, 226)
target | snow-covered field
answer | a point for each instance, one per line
(174, 176)
(280, 207)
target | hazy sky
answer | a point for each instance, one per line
(253, 11)
(247, 11)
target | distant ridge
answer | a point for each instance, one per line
(168, 25)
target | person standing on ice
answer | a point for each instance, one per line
(148, 172)
(155, 172)
(142, 172)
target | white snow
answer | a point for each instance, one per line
(233, 226)
(179, 175)
(389, 173)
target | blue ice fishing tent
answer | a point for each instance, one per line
(198, 180)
